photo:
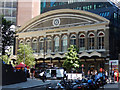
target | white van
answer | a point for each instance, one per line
(55, 73)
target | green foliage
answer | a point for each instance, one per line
(4, 22)
(5, 59)
(71, 58)
(7, 39)
(25, 50)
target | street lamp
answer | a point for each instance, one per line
(82, 70)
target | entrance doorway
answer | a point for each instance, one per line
(53, 73)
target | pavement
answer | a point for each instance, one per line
(30, 83)
(34, 83)
(110, 86)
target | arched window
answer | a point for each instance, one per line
(73, 40)
(41, 45)
(101, 40)
(91, 40)
(48, 44)
(82, 42)
(28, 42)
(56, 44)
(34, 45)
(64, 43)
(21, 42)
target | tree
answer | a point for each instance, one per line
(7, 35)
(5, 59)
(25, 52)
(71, 58)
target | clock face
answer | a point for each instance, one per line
(56, 22)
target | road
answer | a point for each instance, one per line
(113, 86)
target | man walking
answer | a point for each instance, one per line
(43, 76)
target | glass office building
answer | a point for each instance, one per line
(8, 8)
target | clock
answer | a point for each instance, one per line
(56, 22)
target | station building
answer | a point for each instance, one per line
(51, 33)
(104, 8)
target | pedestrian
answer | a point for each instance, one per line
(43, 76)
(65, 76)
(95, 72)
(88, 73)
(106, 74)
(32, 72)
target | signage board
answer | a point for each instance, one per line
(74, 76)
(114, 65)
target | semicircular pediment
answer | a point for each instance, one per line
(61, 18)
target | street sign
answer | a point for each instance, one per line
(113, 65)
(114, 62)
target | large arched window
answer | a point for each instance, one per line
(82, 42)
(34, 45)
(91, 37)
(101, 40)
(73, 40)
(64, 43)
(56, 44)
(48, 44)
(28, 42)
(41, 45)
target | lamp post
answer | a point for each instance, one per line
(0, 41)
(82, 70)
(24, 52)
(111, 70)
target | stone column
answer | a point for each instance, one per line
(52, 48)
(31, 42)
(106, 39)
(60, 48)
(37, 44)
(95, 42)
(68, 40)
(86, 41)
(17, 44)
(77, 40)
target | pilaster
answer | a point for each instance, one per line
(95, 42)
(86, 41)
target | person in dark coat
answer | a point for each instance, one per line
(32, 71)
